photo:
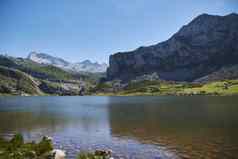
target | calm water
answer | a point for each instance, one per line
(133, 127)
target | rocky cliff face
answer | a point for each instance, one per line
(205, 45)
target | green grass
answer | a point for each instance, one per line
(102, 86)
(151, 88)
(228, 87)
(15, 148)
(35, 69)
(46, 71)
(14, 82)
(51, 88)
(156, 88)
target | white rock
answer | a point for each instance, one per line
(49, 138)
(59, 154)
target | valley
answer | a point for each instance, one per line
(200, 59)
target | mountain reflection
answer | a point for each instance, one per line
(195, 127)
(28, 121)
(133, 127)
(51, 115)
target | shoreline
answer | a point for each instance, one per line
(16, 147)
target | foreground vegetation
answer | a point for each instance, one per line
(16, 148)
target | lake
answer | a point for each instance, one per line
(169, 127)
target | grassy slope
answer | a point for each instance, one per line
(55, 80)
(228, 87)
(49, 72)
(42, 72)
(35, 69)
(16, 82)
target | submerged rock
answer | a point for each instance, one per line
(104, 153)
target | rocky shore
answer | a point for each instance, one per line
(16, 148)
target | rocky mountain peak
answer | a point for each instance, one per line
(84, 66)
(232, 14)
(86, 62)
(206, 44)
(44, 58)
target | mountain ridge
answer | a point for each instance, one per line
(84, 66)
(196, 50)
(21, 76)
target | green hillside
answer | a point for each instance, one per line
(20, 76)
(48, 79)
(35, 69)
(16, 82)
(41, 71)
(226, 87)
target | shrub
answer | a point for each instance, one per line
(98, 154)
(17, 149)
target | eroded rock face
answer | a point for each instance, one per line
(205, 45)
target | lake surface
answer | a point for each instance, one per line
(132, 127)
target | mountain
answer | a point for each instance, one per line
(16, 82)
(225, 73)
(42, 58)
(88, 66)
(84, 66)
(19, 76)
(204, 46)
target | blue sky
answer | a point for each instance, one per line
(93, 29)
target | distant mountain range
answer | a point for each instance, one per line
(42, 74)
(207, 45)
(84, 66)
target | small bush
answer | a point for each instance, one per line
(98, 154)
(17, 149)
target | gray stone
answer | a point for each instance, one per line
(205, 45)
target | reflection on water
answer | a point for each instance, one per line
(192, 127)
(133, 127)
